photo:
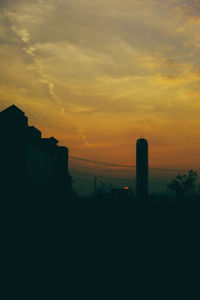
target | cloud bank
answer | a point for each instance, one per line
(98, 74)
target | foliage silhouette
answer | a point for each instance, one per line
(183, 185)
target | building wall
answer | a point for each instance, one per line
(39, 166)
(27, 160)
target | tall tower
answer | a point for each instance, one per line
(142, 169)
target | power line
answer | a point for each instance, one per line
(168, 170)
(96, 168)
(122, 166)
(102, 162)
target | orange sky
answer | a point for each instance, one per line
(99, 74)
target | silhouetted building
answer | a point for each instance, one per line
(142, 169)
(30, 163)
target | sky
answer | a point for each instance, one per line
(98, 74)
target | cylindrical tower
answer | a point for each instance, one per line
(142, 169)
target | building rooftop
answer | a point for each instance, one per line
(12, 109)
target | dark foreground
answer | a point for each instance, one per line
(89, 245)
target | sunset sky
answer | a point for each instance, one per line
(98, 74)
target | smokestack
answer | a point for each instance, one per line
(142, 169)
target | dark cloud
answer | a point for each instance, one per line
(188, 8)
(10, 3)
(4, 3)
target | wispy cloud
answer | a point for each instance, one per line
(110, 67)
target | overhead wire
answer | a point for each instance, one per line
(122, 166)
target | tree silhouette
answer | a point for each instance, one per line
(183, 185)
